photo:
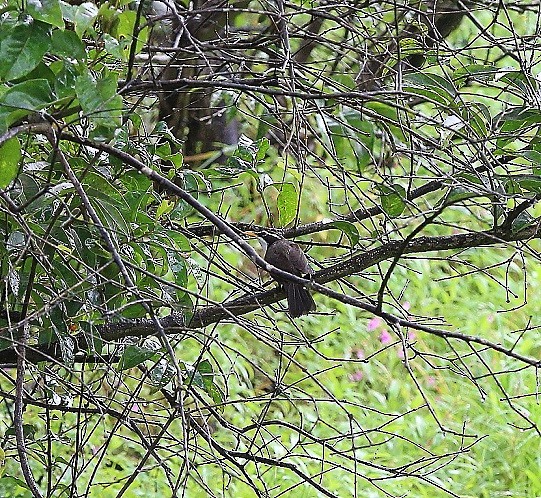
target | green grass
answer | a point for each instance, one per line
(340, 383)
(378, 396)
(338, 378)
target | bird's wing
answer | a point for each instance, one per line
(298, 260)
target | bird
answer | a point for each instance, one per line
(286, 255)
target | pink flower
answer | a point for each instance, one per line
(400, 352)
(374, 323)
(411, 335)
(406, 305)
(356, 376)
(385, 337)
(359, 353)
(431, 381)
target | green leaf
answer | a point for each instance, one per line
(263, 145)
(41, 72)
(246, 156)
(352, 137)
(131, 311)
(136, 196)
(215, 393)
(392, 199)
(126, 28)
(520, 114)
(349, 144)
(287, 203)
(349, 229)
(166, 206)
(522, 221)
(535, 142)
(66, 75)
(534, 157)
(383, 110)
(46, 10)
(84, 16)
(133, 356)
(179, 268)
(31, 95)
(529, 183)
(459, 193)
(245, 153)
(10, 155)
(180, 241)
(2, 462)
(11, 482)
(389, 116)
(29, 431)
(431, 86)
(408, 47)
(205, 367)
(480, 72)
(430, 80)
(67, 275)
(203, 377)
(234, 165)
(109, 214)
(10, 335)
(181, 210)
(116, 48)
(126, 24)
(513, 120)
(524, 83)
(162, 373)
(477, 115)
(189, 182)
(98, 98)
(23, 49)
(468, 186)
(363, 139)
(67, 44)
(183, 304)
(5, 344)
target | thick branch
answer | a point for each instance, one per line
(175, 323)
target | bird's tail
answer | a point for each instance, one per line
(299, 300)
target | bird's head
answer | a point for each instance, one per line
(266, 237)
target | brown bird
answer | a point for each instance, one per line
(286, 255)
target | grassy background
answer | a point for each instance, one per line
(351, 376)
(342, 372)
(344, 378)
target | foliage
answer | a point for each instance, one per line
(140, 141)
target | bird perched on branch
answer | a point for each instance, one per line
(286, 255)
